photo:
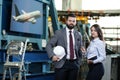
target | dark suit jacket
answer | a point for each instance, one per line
(60, 39)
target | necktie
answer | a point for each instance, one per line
(71, 46)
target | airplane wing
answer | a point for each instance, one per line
(23, 12)
(33, 20)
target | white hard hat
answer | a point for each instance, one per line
(59, 51)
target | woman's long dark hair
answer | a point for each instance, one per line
(99, 31)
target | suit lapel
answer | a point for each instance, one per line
(65, 39)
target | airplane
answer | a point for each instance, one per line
(26, 17)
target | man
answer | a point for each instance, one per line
(66, 68)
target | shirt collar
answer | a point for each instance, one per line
(96, 39)
(69, 30)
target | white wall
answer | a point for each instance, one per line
(87, 4)
(58, 4)
(100, 4)
(65, 5)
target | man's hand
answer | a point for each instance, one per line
(55, 58)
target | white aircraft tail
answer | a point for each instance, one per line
(14, 18)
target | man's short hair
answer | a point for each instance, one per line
(70, 15)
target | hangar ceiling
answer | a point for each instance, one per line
(93, 12)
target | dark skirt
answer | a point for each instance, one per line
(96, 71)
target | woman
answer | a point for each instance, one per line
(96, 54)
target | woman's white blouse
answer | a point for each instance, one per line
(96, 48)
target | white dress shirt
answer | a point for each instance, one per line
(68, 48)
(96, 48)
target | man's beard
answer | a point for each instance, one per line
(70, 26)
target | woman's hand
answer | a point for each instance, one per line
(90, 61)
(83, 50)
